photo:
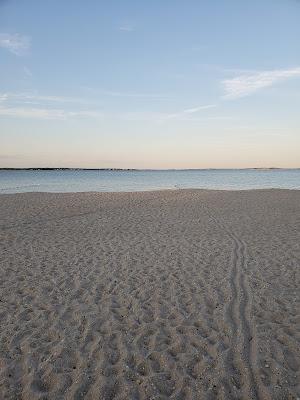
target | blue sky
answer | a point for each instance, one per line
(160, 84)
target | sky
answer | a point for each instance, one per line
(150, 84)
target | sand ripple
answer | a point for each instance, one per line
(184, 294)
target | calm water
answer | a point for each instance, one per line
(108, 181)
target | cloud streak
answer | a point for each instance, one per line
(26, 97)
(189, 111)
(248, 84)
(43, 113)
(200, 108)
(27, 105)
(15, 43)
(126, 26)
(134, 95)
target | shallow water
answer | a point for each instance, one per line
(123, 181)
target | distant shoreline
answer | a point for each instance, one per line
(146, 169)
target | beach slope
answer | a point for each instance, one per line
(187, 294)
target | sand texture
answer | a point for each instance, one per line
(186, 294)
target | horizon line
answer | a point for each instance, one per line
(137, 169)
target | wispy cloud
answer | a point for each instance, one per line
(134, 95)
(27, 105)
(114, 93)
(50, 107)
(15, 43)
(161, 117)
(3, 97)
(23, 97)
(43, 113)
(36, 113)
(188, 111)
(164, 118)
(200, 108)
(247, 84)
(27, 72)
(126, 27)
(150, 116)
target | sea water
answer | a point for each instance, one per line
(16, 181)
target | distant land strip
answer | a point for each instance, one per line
(141, 169)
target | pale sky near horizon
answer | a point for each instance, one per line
(160, 84)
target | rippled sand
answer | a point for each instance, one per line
(186, 294)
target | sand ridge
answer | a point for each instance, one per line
(187, 294)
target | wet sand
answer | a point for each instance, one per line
(187, 294)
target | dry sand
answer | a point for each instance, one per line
(187, 294)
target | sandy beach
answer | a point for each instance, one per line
(186, 294)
